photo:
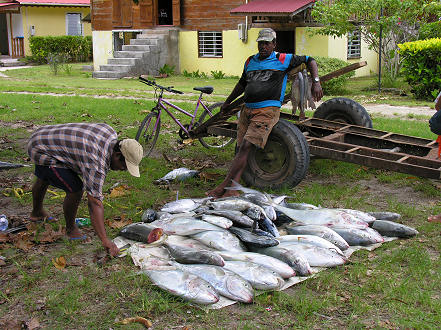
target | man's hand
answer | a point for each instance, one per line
(317, 91)
(111, 247)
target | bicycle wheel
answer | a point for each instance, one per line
(147, 134)
(214, 141)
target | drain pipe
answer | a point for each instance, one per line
(246, 25)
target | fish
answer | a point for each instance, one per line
(322, 216)
(276, 265)
(187, 242)
(150, 258)
(7, 165)
(315, 255)
(297, 262)
(259, 215)
(231, 203)
(301, 206)
(359, 237)
(225, 282)
(181, 205)
(149, 215)
(260, 278)
(390, 216)
(310, 239)
(320, 231)
(178, 174)
(220, 240)
(393, 229)
(185, 285)
(183, 226)
(141, 232)
(250, 239)
(238, 218)
(360, 215)
(186, 255)
(217, 220)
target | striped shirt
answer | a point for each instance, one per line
(82, 147)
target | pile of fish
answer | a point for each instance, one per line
(202, 249)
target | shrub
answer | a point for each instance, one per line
(421, 66)
(167, 69)
(327, 65)
(187, 74)
(76, 48)
(430, 30)
(217, 74)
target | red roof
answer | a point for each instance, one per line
(55, 2)
(274, 7)
(7, 4)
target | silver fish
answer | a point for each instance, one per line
(150, 258)
(217, 220)
(225, 282)
(186, 242)
(183, 226)
(250, 239)
(356, 236)
(291, 258)
(260, 278)
(316, 256)
(238, 218)
(310, 239)
(185, 285)
(258, 214)
(301, 206)
(220, 240)
(276, 265)
(194, 256)
(393, 229)
(320, 231)
(390, 216)
(360, 215)
(181, 205)
(231, 203)
(179, 174)
(149, 215)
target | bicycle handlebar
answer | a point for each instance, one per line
(154, 84)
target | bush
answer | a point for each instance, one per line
(430, 30)
(167, 69)
(421, 66)
(329, 64)
(217, 74)
(75, 48)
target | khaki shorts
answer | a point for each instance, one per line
(255, 125)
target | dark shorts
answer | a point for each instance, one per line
(62, 178)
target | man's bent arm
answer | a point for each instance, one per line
(316, 89)
(236, 92)
(96, 211)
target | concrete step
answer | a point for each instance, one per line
(123, 61)
(144, 41)
(153, 32)
(128, 54)
(108, 74)
(9, 63)
(143, 48)
(118, 68)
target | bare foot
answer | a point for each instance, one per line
(434, 218)
(38, 216)
(231, 193)
(216, 192)
(75, 233)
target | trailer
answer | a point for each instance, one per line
(341, 129)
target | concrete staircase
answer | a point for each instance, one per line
(145, 55)
(6, 61)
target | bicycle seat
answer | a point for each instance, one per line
(205, 89)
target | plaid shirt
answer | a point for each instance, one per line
(82, 147)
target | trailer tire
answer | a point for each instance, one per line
(344, 110)
(283, 162)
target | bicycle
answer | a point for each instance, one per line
(148, 131)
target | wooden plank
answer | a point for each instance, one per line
(342, 71)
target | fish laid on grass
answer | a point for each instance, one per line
(178, 174)
(310, 239)
(359, 237)
(391, 216)
(225, 282)
(185, 255)
(393, 229)
(217, 220)
(259, 216)
(260, 278)
(250, 239)
(320, 231)
(186, 242)
(183, 226)
(140, 232)
(185, 285)
(366, 217)
(300, 206)
(231, 203)
(150, 258)
(238, 218)
(220, 240)
(181, 205)
(276, 265)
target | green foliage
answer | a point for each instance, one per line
(187, 74)
(167, 69)
(217, 74)
(76, 48)
(421, 67)
(430, 30)
(336, 85)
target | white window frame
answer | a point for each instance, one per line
(210, 44)
(354, 44)
(81, 24)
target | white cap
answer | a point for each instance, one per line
(132, 152)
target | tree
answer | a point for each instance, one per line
(399, 21)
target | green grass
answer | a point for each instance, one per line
(394, 286)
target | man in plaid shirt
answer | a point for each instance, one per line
(63, 152)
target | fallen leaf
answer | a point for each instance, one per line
(59, 263)
(24, 245)
(33, 324)
(118, 191)
(50, 235)
(2, 263)
(209, 176)
(137, 319)
(119, 224)
(4, 238)
(188, 141)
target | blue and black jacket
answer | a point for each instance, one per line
(265, 81)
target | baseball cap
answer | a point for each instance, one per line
(266, 34)
(132, 152)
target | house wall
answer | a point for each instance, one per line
(49, 21)
(102, 48)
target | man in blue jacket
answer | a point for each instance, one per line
(263, 83)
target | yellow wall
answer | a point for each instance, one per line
(49, 21)
(102, 48)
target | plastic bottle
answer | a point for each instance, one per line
(82, 222)
(3, 222)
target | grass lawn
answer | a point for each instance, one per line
(394, 286)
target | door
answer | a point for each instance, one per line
(165, 12)
(4, 44)
(285, 42)
(122, 15)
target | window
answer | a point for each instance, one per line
(210, 44)
(354, 44)
(73, 25)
